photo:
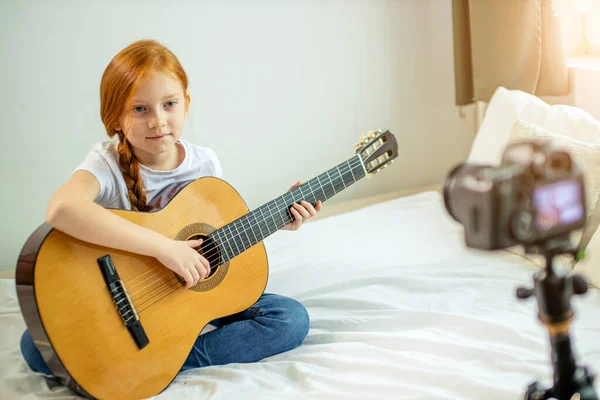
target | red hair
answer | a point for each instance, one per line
(125, 71)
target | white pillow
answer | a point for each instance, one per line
(506, 106)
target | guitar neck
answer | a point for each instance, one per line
(243, 233)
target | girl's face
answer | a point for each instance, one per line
(155, 119)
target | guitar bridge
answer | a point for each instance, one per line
(123, 302)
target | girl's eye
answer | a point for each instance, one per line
(138, 109)
(170, 104)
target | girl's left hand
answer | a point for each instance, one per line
(301, 212)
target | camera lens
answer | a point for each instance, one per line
(449, 184)
(559, 160)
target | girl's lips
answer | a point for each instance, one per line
(158, 137)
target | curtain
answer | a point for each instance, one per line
(516, 44)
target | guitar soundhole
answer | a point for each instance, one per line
(209, 250)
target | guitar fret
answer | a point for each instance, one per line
(265, 220)
(249, 240)
(257, 223)
(331, 183)
(244, 242)
(340, 174)
(312, 192)
(339, 181)
(352, 172)
(271, 220)
(281, 210)
(225, 244)
(233, 238)
(287, 205)
(288, 214)
(277, 211)
(247, 220)
(348, 174)
(237, 238)
(260, 223)
(321, 186)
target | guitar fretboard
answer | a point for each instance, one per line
(243, 233)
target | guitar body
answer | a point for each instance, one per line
(72, 316)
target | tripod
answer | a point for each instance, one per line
(553, 293)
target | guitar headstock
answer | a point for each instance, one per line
(377, 150)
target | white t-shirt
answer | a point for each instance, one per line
(102, 162)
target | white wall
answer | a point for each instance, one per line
(280, 89)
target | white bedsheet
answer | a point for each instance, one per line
(399, 308)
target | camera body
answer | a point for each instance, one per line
(536, 195)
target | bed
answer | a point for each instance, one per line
(399, 308)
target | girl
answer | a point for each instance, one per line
(143, 101)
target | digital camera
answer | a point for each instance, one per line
(536, 195)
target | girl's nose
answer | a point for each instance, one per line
(158, 120)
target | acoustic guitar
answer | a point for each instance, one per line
(117, 325)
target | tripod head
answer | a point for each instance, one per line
(553, 290)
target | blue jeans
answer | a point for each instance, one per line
(274, 324)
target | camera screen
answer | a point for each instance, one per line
(558, 203)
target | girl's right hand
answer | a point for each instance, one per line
(181, 258)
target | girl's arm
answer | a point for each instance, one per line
(73, 211)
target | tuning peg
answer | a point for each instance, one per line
(361, 142)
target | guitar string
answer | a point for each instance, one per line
(346, 168)
(161, 298)
(138, 312)
(170, 283)
(215, 250)
(165, 278)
